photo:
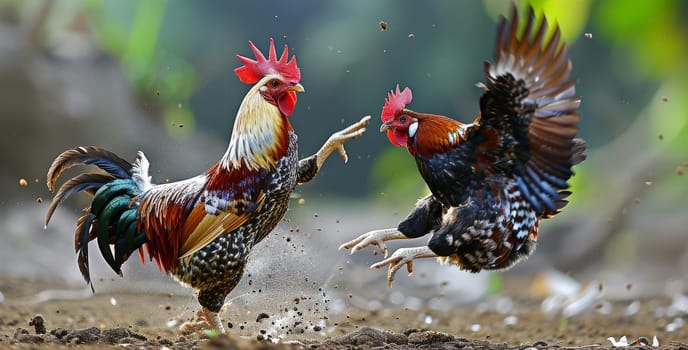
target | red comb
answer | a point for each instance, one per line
(254, 70)
(395, 102)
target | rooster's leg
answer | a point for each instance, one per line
(309, 167)
(376, 238)
(401, 257)
(214, 321)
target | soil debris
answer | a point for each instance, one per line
(38, 323)
(98, 325)
(262, 316)
(383, 25)
(366, 336)
(21, 335)
(90, 336)
(122, 336)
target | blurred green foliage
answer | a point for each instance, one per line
(155, 72)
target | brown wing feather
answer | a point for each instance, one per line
(176, 223)
(204, 229)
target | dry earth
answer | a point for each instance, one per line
(149, 321)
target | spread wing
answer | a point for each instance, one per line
(528, 118)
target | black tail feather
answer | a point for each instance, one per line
(81, 238)
(89, 182)
(88, 155)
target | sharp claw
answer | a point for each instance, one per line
(355, 126)
(342, 152)
(383, 248)
(373, 238)
(379, 264)
(348, 244)
(393, 268)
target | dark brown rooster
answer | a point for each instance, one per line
(492, 180)
(201, 230)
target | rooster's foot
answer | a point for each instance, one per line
(339, 138)
(401, 257)
(376, 238)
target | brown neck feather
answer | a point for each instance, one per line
(435, 134)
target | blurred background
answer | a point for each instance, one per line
(158, 76)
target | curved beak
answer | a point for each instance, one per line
(296, 88)
(385, 126)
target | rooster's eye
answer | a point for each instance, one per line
(402, 119)
(274, 83)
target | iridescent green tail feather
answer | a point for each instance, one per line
(112, 217)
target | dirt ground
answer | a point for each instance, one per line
(150, 321)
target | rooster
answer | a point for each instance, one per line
(201, 230)
(493, 180)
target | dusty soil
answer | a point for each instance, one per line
(149, 321)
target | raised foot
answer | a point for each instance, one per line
(401, 257)
(376, 238)
(339, 138)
